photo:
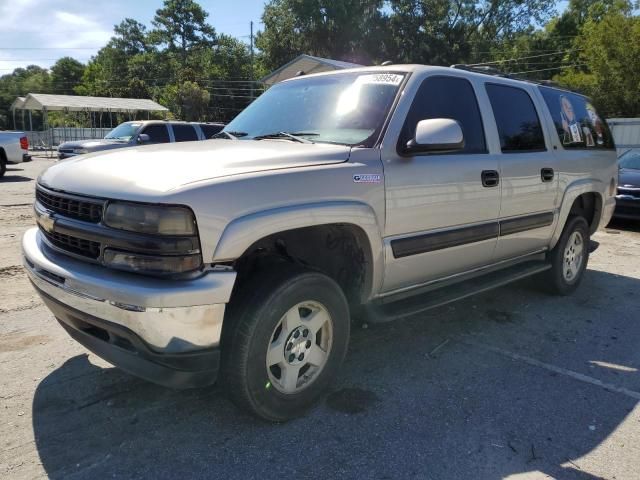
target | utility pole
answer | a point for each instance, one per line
(252, 79)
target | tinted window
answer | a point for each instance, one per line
(516, 118)
(210, 130)
(157, 133)
(576, 120)
(184, 133)
(447, 97)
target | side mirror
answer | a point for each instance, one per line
(143, 138)
(436, 135)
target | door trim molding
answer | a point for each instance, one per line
(525, 222)
(430, 242)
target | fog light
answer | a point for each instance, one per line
(151, 264)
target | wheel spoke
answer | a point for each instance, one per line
(289, 377)
(290, 321)
(317, 356)
(275, 355)
(317, 320)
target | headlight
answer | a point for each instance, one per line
(151, 219)
(80, 151)
(151, 264)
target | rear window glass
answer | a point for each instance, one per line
(576, 120)
(516, 118)
(184, 133)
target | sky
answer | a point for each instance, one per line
(38, 32)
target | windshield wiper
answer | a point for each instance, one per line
(229, 135)
(296, 136)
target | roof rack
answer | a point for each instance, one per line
(488, 70)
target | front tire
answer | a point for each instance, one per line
(288, 336)
(3, 166)
(569, 258)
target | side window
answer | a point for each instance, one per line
(157, 133)
(447, 97)
(576, 120)
(210, 129)
(184, 133)
(516, 118)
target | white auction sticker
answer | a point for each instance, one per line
(383, 78)
(367, 178)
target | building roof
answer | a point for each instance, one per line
(307, 64)
(76, 103)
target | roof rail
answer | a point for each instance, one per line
(487, 70)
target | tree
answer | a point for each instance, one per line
(130, 37)
(66, 74)
(181, 26)
(609, 61)
(340, 29)
(188, 100)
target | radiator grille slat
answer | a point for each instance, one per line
(70, 207)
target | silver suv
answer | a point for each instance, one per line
(146, 132)
(376, 192)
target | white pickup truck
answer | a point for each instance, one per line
(14, 148)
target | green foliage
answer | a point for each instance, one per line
(66, 75)
(609, 55)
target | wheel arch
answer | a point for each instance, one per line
(585, 198)
(356, 220)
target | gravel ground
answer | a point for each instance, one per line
(510, 384)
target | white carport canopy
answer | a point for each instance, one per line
(307, 64)
(76, 103)
(18, 104)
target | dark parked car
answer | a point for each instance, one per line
(628, 198)
(130, 134)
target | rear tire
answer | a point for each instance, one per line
(287, 338)
(3, 165)
(568, 258)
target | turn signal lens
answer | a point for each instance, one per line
(151, 264)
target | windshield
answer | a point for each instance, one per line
(347, 108)
(124, 131)
(630, 159)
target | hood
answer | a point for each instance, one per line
(628, 176)
(140, 173)
(94, 145)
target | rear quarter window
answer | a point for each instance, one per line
(577, 123)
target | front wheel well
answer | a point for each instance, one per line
(340, 251)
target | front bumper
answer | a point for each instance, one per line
(167, 331)
(627, 207)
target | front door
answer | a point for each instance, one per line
(441, 209)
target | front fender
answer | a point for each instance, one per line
(243, 232)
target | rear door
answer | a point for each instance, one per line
(184, 132)
(528, 171)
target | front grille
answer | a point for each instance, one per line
(78, 246)
(70, 206)
(66, 150)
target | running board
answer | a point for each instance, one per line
(378, 312)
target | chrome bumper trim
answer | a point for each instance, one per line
(171, 316)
